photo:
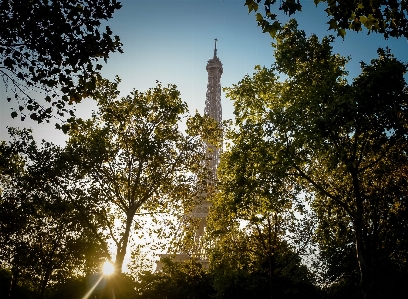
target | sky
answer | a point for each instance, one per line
(172, 40)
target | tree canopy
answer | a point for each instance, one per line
(53, 49)
(41, 237)
(132, 158)
(259, 227)
(62, 207)
(389, 18)
(344, 144)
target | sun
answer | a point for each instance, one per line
(108, 268)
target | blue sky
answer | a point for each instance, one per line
(171, 41)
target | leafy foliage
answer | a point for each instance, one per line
(60, 207)
(54, 48)
(242, 267)
(132, 159)
(343, 144)
(388, 18)
(257, 239)
(41, 237)
(176, 280)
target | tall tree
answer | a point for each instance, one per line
(133, 159)
(53, 48)
(345, 144)
(41, 238)
(388, 18)
(259, 226)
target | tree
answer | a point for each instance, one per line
(41, 238)
(344, 144)
(257, 239)
(243, 266)
(176, 280)
(277, 228)
(388, 18)
(132, 159)
(53, 48)
(336, 261)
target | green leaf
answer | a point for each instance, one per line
(274, 28)
(252, 5)
(369, 22)
(341, 32)
(65, 128)
(332, 23)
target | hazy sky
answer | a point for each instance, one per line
(171, 41)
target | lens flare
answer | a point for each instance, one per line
(108, 268)
(93, 288)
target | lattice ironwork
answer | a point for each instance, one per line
(213, 105)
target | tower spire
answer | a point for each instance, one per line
(213, 104)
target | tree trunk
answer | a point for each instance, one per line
(44, 283)
(13, 283)
(361, 240)
(121, 250)
(365, 282)
(271, 275)
(272, 242)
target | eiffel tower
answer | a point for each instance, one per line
(200, 212)
(213, 105)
